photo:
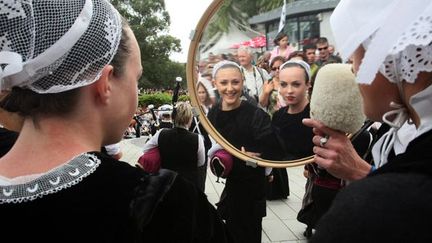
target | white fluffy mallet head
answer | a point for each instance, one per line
(336, 99)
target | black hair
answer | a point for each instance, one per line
(308, 47)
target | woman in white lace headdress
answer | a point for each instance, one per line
(390, 44)
(70, 68)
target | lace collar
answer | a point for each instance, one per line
(59, 178)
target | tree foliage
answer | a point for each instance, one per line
(164, 74)
(239, 11)
(150, 22)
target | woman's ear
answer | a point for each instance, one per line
(103, 86)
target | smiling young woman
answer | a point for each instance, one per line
(247, 127)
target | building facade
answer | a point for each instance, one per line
(305, 20)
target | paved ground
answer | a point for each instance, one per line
(280, 225)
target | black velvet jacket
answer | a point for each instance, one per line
(114, 203)
(393, 204)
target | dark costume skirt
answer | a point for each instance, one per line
(279, 187)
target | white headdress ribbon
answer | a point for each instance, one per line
(17, 73)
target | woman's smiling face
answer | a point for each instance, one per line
(229, 83)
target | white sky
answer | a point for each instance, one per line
(184, 15)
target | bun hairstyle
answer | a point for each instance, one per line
(336, 99)
(279, 37)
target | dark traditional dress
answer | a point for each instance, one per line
(202, 170)
(94, 198)
(297, 140)
(298, 144)
(297, 137)
(243, 201)
(175, 143)
(393, 204)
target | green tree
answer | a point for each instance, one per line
(150, 22)
(164, 73)
(239, 11)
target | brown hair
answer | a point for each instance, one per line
(297, 54)
(279, 37)
(277, 58)
(207, 101)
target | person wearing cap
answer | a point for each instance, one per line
(389, 42)
(294, 83)
(293, 87)
(248, 128)
(70, 69)
(165, 116)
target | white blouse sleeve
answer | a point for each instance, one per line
(152, 142)
(201, 151)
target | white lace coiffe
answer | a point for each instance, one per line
(50, 46)
(397, 37)
(55, 180)
(398, 33)
(412, 53)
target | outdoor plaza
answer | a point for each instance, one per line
(280, 225)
